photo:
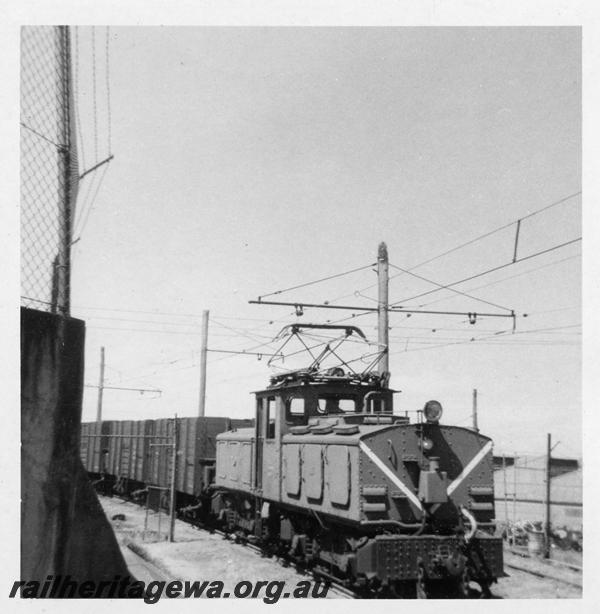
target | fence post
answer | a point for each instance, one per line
(515, 488)
(548, 477)
(146, 518)
(508, 527)
(173, 478)
(66, 216)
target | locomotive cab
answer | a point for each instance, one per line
(303, 400)
(299, 401)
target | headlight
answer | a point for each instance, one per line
(426, 444)
(432, 411)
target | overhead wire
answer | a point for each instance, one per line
(244, 352)
(491, 342)
(251, 349)
(131, 378)
(497, 281)
(471, 241)
(551, 328)
(172, 313)
(120, 379)
(239, 332)
(252, 333)
(162, 331)
(87, 203)
(76, 70)
(492, 270)
(434, 338)
(495, 230)
(135, 320)
(92, 202)
(107, 73)
(535, 313)
(479, 339)
(83, 198)
(249, 319)
(442, 287)
(94, 97)
(190, 325)
(310, 283)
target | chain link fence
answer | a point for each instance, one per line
(49, 173)
(522, 505)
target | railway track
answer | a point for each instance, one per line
(554, 562)
(558, 571)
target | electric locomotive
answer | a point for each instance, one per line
(330, 476)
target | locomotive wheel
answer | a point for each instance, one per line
(485, 589)
(421, 585)
(379, 591)
(463, 590)
(402, 590)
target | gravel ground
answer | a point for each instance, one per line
(523, 585)
(198, 555)
(525, 581)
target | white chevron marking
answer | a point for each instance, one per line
(472, 464)
(390, 474)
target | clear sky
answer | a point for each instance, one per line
(249, 160)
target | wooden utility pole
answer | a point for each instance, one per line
(100, 387)
(548, 477)
(203, 353)
(382, 308)
(475, 427)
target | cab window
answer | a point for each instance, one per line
(295, 411)
(377, 403)
(335, 404)
(269, 404)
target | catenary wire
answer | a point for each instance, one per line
(442, 287)
(503, 227)
(498, 281)
(310, 283)
(492, 270)
(471, 241)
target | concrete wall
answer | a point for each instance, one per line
(63, 528)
